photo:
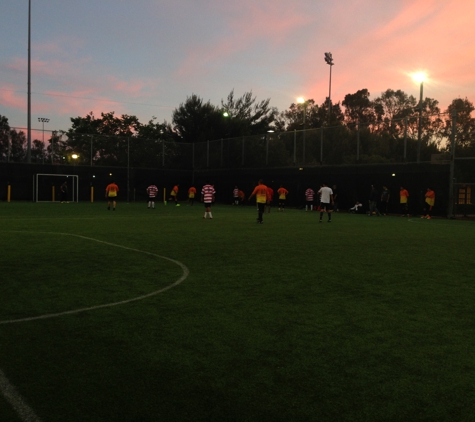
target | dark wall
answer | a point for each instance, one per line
(353, 182)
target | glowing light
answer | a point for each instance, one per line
(75, 156)
(419, 77)
(300, 100)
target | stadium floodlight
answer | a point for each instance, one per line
(45, 120)
(329, 61)
(329, 58)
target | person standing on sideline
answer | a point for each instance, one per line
(282, 197)
(236, 195)
(207, 197)
(261, 193)
(309, 194)
(403, 201)
(64, 192)
(270, 198)
(191, 195)
(112, 191)
(373, 202)
(326, 202)
(428, 203)
(385, 195)
(152, 192)
(174, 194)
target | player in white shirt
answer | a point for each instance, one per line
(326, 202)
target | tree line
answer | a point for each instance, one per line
(381, 124)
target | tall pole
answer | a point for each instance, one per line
(452, 165)
(329, 61)
(419, 132)
(28, 150)
(330, 96)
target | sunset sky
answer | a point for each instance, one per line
(145, 57)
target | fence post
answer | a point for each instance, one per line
(207, 153)
(452, 166)
(405, 138)
(128, 169)
(163, 153)
(267, 150)
(321, 145)
(295, 146)
(92, 137)
(357, 140)
(242, 159)
(221, 158)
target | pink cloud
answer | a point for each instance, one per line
(11, 99)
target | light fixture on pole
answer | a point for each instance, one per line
(329, 61)
(44, 120)
(419, 77)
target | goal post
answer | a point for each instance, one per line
(46, 187)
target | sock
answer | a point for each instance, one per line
(205, 215)
(210, 215)
(153, 204)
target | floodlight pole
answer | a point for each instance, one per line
(329, 61)
(419, 132)
(28, 148)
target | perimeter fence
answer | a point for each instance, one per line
(393, 141)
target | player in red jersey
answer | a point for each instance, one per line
(112, 191)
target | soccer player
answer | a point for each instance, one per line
(207, 197)
(174, 194)
(191, 195)
(385, 195)
(282, 197)
(270, 197)
(261, 193)
(373, 202)
(236, 195)
(309, 194)
(112, 191)
(428, 203)
(152, 192)
(326, 202)
(403, 200)
(64, 192)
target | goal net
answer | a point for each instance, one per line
(47, 187)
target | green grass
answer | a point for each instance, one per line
(363, 319)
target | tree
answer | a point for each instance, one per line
(292, 119)
(197, 121)
(359, 109)
(246, 116)
(465, 126)
(4, 138)
(107, 137)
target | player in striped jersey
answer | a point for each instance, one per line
(207, 197)
(152, 192)
(309, 194)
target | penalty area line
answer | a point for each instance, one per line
(18, 403)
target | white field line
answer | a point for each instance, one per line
(185, 274)
(18, 403)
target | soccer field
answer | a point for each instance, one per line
(159, 315)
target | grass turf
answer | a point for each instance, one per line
(363, 319)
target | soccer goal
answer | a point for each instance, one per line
(47, 187)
